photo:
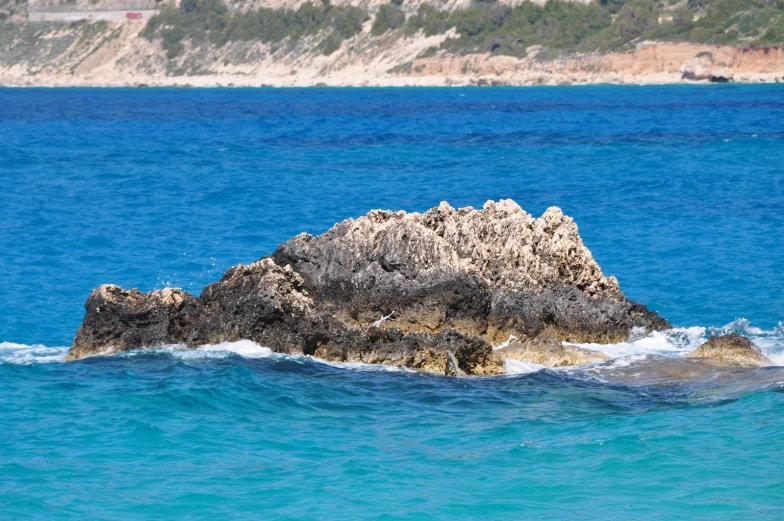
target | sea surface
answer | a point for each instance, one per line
(678, 191)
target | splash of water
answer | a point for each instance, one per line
(672, 343)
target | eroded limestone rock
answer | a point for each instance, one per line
(703, 67)
(451, 282)
(731, 350)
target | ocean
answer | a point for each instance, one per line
(678, 191)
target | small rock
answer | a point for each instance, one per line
(731, 350)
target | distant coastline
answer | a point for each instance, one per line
(649, 64)
(290, 43)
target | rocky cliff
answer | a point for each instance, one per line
(433, 291)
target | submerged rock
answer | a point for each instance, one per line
(431, 291)
(731, 350)
(548, 350)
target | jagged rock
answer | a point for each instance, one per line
(126, 319)
(260, 301)
(730, 350)
(450, 282)
(476, 271)
(548, 350)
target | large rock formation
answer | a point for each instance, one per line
(730, 350)
(432, 291)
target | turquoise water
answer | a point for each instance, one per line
(678, 191)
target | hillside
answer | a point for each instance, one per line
(368, 42)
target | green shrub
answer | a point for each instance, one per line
(209, 21)
(613, 6)
(330, 44)
(775, 33)
(635, 19)
(173, 50)
(504, 30)
(203, 7)
(683, 18)
(346, 21)
(484, 26)
(388, 18)
(430, 20)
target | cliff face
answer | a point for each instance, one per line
(432, 291)
(649, 63)
(113, 54)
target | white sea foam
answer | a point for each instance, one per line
(359, 365)
(743, 326)
(245, 348)
(518, 367)
(505, 343)
(776, 357)
(672, 342)
(13, 353)
(677, 342)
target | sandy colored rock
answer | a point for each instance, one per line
(511, 249)
(698, 68)
(731, 350)
(548, 350)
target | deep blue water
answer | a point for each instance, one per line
(678, 191)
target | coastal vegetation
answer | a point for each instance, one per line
(203, 21)
(485, 26)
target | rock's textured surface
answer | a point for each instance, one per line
(449, 284)
(123, 319)
(730, 350)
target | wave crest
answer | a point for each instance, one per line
(24, 354)
(672, 343)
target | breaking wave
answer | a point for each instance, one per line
(672, 343)
(24, 354)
